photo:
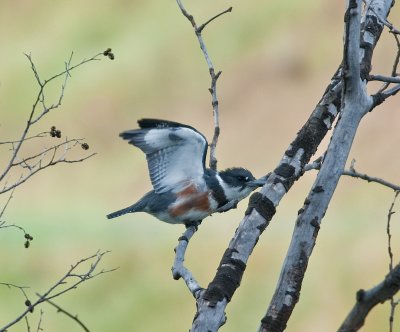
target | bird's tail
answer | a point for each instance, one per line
(129, 209)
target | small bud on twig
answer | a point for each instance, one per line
(28, 237)
(109, 54)
(54, 132)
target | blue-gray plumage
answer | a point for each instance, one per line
(185, 191)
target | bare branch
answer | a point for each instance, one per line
(20, 288)
(38, 163)
(28, 328)
(59, 309)
(214, 76)
(40, 135)
(40, 99)
(368, 299)
(201, 27)
(66, 283)
(5, 205)
(27, 237)
(353, 173)
(178, 269)
(39, 328)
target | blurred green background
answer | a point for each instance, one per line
(277, 57)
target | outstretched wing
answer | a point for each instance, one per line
(175, 152)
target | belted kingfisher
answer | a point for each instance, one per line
(185, 191)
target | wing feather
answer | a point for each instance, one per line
(175, 152)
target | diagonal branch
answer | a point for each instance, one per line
(73, 317)
(368, 299)
(178, 269)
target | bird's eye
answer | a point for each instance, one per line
(243, 178)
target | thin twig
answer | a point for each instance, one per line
(391, 211)
(76, 141)
(5, 205)
(397, 58)
(40, 135)
(201, 27)
(41, 167)
(40, 322)
(387, 79)
(59, 309)
(213, 74)
(21, 288)
(28, 328)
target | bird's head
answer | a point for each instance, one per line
(239, 182)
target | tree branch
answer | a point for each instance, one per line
(368, 299)
(178, 269)
(387, 79)
(353, 173)
(201, 27)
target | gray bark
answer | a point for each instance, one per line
(355, 104)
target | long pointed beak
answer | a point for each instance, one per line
(258, 183)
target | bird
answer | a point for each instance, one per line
(184, 190)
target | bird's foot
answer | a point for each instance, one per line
(228, 206)
(194, 224)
